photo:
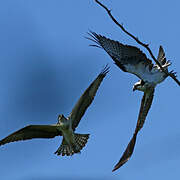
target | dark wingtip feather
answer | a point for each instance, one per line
(105, 70)
(127, 153)
(1, 143)
(93, 45)
(93, 37)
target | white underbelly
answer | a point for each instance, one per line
(153, 77)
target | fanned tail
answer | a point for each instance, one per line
(70, 149)
(81, 140)
(64, 149)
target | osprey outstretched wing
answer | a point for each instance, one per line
(131, 59)
(72, 142)
(31, 132)
(86, 99)
(146, 103)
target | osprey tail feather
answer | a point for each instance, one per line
(80, 141)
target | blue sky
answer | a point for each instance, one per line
(46, 64)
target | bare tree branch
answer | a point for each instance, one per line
(171, 74)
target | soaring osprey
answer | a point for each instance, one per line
(72, 142)
(131, 59)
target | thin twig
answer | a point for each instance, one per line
(171, 74)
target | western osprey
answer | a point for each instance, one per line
(72, 142)
(131, 59)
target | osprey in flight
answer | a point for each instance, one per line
(131, 59)
(72, 142)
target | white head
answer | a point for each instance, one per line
(140, 85)
(62, 120)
